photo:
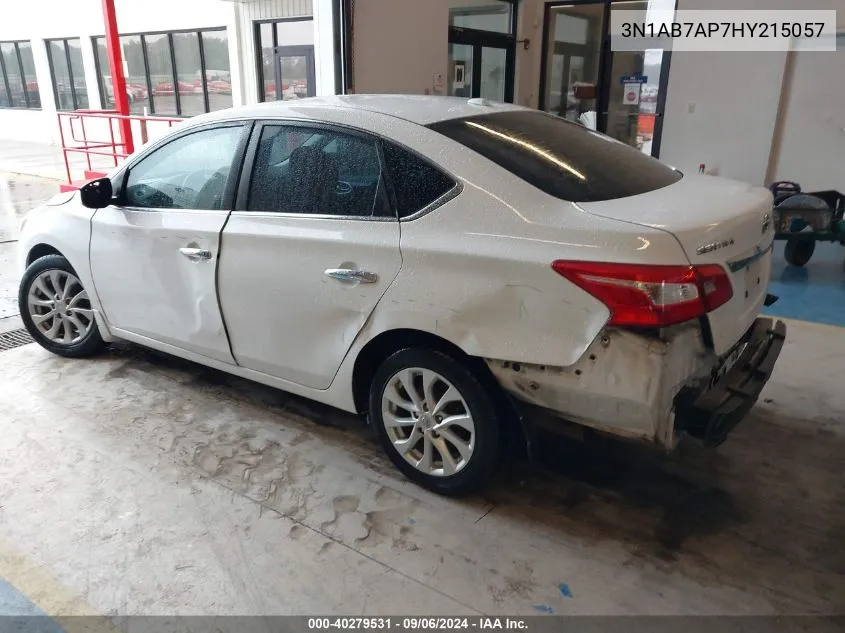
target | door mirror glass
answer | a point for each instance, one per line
(96, 194)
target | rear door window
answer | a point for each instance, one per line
(561, 158)
(416, 183)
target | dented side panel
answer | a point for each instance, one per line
(285, 315)
(148, 288)
(477, 272)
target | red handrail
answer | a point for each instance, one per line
(112, 148)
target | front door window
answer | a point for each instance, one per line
(189, 172)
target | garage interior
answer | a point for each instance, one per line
(135, 483)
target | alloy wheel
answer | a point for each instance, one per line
(428, 421)
(59, 307)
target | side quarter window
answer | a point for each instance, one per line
(189, 172)
(416, 183)
(317, 171)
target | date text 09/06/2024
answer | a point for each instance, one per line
(416, 624)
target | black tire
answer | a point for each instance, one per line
(480, 399)
(798, 251)
(91, 344)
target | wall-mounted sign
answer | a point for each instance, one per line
(460, 75)
(631, 94)
(633, 79)
(439, 83)
(631, 87)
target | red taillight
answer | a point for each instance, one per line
(639, 295)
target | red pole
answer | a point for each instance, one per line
(121, 100)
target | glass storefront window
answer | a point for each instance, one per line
(69, 87)
(161, 73)
(77, 73)
(137, 89)
(186, 50)
(215, 46)
(199, 87)
(61, 76)
(482, 15)
(14, 87)
(30, 80)
(287, 59)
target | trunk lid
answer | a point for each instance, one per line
(716, 221)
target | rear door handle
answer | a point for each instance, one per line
(351, 275)
(195, 254)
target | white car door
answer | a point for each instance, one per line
(310, 249)
(154, 253)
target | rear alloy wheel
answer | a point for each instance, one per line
(436, 421)
(798, 251)
(56, 309)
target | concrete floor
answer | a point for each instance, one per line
(134, 483)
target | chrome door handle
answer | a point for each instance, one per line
(195, 253)
(348, 274)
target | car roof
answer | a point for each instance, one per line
(419, 109)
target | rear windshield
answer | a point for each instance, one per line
(563, 159)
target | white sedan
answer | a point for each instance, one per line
(456, 269)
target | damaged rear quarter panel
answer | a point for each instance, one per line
(477, 272)
(625, 384)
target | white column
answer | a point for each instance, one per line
(45, 90)
(89, 64)
(324, 47)
(237, 60)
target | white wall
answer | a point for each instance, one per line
(810, 146)
(399, 45)
(736, 97)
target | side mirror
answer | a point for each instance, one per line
(96, 194)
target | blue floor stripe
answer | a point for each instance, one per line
(814, 292)
(19, 614)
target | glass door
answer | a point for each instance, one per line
(620, 93)
(295, 72)
(482, 49)
(480, 66)
(574, 44)
(460, 70)
(633, 88)
(493, 76)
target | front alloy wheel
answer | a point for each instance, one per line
(56, 309)
(437, 420)
(59, 307)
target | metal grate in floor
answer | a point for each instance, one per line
(14, 338)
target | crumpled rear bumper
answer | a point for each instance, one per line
(710, 414)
